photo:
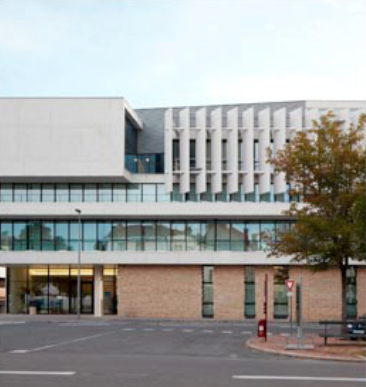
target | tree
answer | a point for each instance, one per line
(326, 167)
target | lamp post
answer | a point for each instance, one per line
(78, 211)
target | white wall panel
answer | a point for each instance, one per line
(232, 152)
(216, 150)
(264, 122)
(184, 150)
(344, 116)
(168, 149)
(201, 150)
(248, 144)
(279, 138)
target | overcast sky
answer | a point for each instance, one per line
(184, 52)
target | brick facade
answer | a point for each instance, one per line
(176, 292)
(228, 292)
(160, 291)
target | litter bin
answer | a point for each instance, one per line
(32, 310)
(262, 328)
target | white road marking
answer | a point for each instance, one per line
(227, 332)
(11, 322)
(37, 373)
(62, 343)
(299, 378)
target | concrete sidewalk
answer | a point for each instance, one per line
(336, 350)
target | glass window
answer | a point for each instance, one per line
(90, 193)
(208, 235)
(163, 235)
(104, 236)
(351, 292)
(148, 235)
(256, 155)
(237, 236)
(20, 234)
(267, 234)
(20, 192)
(192, 154)
(282, 227)
(119, 192)
(134, 236)
(34, 193)
(207, 289)
(163, 195)
(48, 236)
(134, 192)
(6, 193)
(251, 236)
(193, 236)
(105, 192)
(119, 235)
(223, 235)
(249, 292)
(177, 196)
(76, 193)
(61, 235)
(74, 236)
(34, 235)
(89, 236)
(178, 236)
(62, 192)
(281, 274)
(38, 287)
(6, 236)
(192, 196)
(48, 193)
(149, 192)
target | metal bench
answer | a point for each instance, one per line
(341, 334)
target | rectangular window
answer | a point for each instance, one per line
(267, 234)
(193, 236)
(148, 235)
(192, 154)
(20, 234)
(119, 235)
(176, 155)
(76, 193)
(6, 193)
(48, 192)
(74, 236)
(163, 235)
(281, 274)
(134, 192)
(237, 236)
(61, 235)
(162, 194)
(256, 155)
(208, 235)
(104, 236)
(223, 235)
(351, 292)
(34, 193)
(207, 292)
(20, 192)
(251, 236)
(249, 292)
(90, 193)
(119, 193)
(6, 236)
(149, 193)
(62, 193)
(105, 192)
(178, 236)
(48, 236)
(177, 196)
(134, 242)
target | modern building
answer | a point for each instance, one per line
(173, 206)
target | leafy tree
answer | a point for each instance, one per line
(326, 167)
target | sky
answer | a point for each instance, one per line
(184, 52)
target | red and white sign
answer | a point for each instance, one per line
(290, 285)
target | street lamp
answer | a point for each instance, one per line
(78, 211)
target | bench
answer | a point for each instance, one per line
(326, 334)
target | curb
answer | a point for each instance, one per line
(256, 347)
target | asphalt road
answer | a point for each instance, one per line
(158, 354)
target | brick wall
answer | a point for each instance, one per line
(361, 291)
(229, 292)
(159, 291)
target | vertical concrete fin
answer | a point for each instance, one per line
(201, 139)
(279, 139)
(168, 150)
(248, 154)
(264, 123)
(216, 150)
(184, 148)
(232, 153)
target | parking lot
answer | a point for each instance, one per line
(112, 352)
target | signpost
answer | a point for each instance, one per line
(265, 304)
(290, 285)
(298, 311)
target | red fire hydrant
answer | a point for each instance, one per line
(262, 328)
